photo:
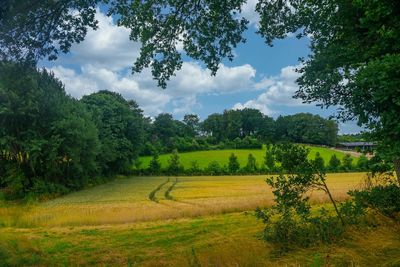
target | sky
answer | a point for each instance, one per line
(260, 76)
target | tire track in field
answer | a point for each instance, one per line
(167, 193)
(168, 196)
(152, 195)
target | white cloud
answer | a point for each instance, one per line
(109, 46)
(92, 79)
(103, 60)
(192, 78)
(279, 90)
(182, 90)
(249, 12)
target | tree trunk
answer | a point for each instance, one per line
(396, 163)
(333, 202)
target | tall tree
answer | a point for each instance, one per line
(232, 124)
(252, 121)
(120, 125)
(165, 128)
(214, 125)
(46, 137)
(192, 122)
(233, 164)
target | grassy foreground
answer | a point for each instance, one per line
(221, 240)
(203, 158)
(183, 221)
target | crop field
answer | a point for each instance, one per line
(176, 221)
(203, 158)
(135, 199)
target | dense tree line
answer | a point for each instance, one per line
(53, 143)
(247, 128)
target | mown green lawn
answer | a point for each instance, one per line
(203, 158)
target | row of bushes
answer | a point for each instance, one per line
(187, 144)
(252, 166)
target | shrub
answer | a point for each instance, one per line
(194, 168)
(362, 163)
(251, 166)
(292, 229)
(319, 161)
(352, 211)
(384, 199)
(290, 220)
(270, 159)
(334, 163)
(233, 165)
(155, 165)
(174, 166)
(214, 168)
(347, 162)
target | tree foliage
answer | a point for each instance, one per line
(233, 164)
(174, 166)
(45, 135)
(120, 126)
(155, 165)
(290, 220)
(32, 30)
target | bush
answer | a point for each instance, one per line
(347, 162)
(214, 168)
(290, 220)
(362, 163)
(155, 165)
(194, 169)
(270, 159)
(319, 161)
(174, 166)
(334, 163)
(251, 166)
(384, 199)
(352, 212)
(295, 230)
(233, 165)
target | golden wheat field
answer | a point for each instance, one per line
(176, 221)
(136, 199)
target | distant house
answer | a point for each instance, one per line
(362, 146)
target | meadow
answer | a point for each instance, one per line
(203, 158)
(175, 221)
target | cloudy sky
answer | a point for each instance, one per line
(259, 77)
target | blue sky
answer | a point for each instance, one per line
(259, 77)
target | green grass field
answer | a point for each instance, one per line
(203, 158)
(176, 221)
